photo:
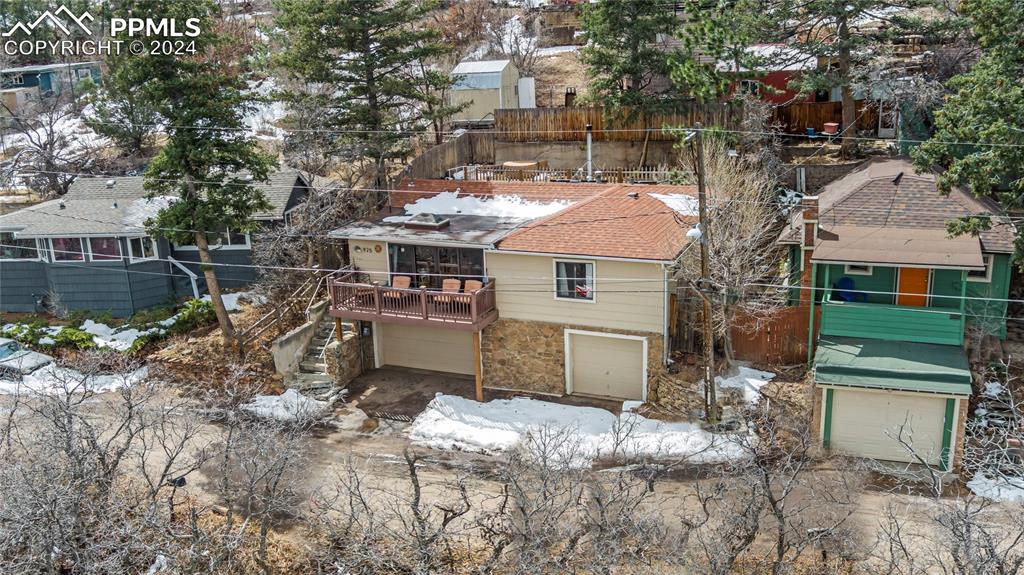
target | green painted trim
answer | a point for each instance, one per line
(826, 435)
(947, 434)
(963, 303)
(810, 321)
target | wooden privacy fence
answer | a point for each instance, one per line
(467, 148)
(796, 118)
(778, 339)
(570, 124)
(507, 174)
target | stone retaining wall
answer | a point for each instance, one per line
(530, 355)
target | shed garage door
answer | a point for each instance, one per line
(606, 366)
(866, 424)
(430, 348)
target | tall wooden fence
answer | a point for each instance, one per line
(570, 124)
(780, 339)
(796, 118)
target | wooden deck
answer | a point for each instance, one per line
(418, 306)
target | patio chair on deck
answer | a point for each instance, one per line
(448, 286)
(473, 285)
(400, 283)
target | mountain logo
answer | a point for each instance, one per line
(55, 19)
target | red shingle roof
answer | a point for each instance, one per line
(610, 224)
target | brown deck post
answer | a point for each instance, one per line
(476, 367)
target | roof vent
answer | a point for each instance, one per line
(62, 205)
(897, 179)
(110, 183)
(427, 222)
(634, 195)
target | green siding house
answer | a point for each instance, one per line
(899, 300)
(90, 250)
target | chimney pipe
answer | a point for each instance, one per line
(590, 152)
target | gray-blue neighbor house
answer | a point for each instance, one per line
(50, 77)
(89, 250)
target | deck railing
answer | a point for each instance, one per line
(892, 322)
(473, 310)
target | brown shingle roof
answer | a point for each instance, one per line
(869, 197)
(611, 224)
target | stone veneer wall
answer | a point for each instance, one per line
(343, 361)
(530, 355)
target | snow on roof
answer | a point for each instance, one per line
(509, 206)
(47, 67)
(481, 67)
(682, 204)
(138, 211)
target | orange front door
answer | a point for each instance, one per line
(913, 287)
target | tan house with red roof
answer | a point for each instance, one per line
(547, 288)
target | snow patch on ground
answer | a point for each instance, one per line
(747, 379)
(451, 422)
(52, 379)
(510, 206)
(263, 118)
(680, 203)
(555, 50)
(232, 300)
(289, 406)
(1003, 489)
(993, 389)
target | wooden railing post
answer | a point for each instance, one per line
(423, 302)
(473, 305)
(376, 298)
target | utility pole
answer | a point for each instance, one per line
(710, 395)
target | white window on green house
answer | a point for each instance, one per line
(141, 249)
(982, 276)
(104, 249)
(13, 249)
(67, 250)
(574, 280)
(858, 270)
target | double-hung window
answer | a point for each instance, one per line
(574, 280)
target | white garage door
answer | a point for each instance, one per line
(430, 348)
(866, 424)
(607, 366)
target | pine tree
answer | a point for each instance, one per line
(369, 53)
(209, 171)
(627, 54)
(120, 111)
(986, 106)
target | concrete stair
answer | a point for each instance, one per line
(312, 378)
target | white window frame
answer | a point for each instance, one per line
(82, 73)
(17, 80)
(593, 279)
(132, 258)
(87, 247)
(752, 87)
(215, 247)
(848, 270)
(81, 241)
(989, 260)
(39, 253)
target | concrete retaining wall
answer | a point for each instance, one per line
(288, 349)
